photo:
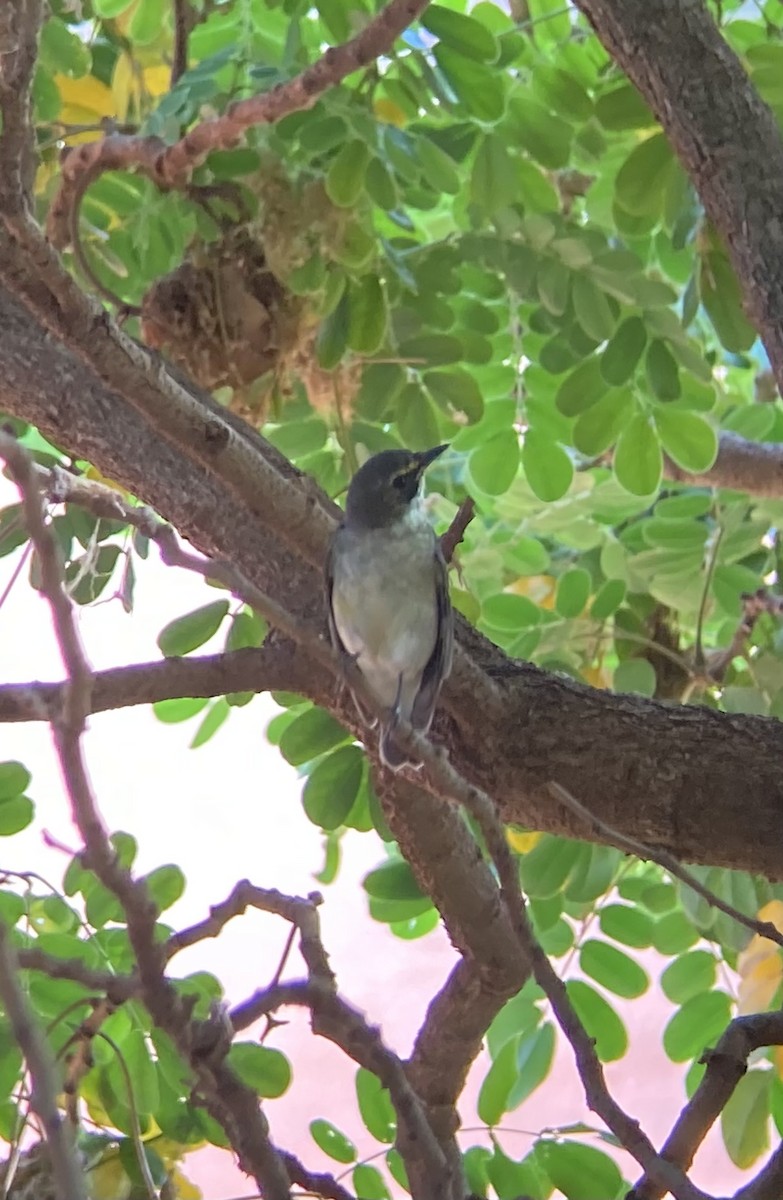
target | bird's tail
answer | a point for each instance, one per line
(392, 756)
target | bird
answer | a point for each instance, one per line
(388, 595)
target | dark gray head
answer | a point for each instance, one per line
(382, 490)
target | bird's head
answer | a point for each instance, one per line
(383, 489)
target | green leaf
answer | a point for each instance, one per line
(494, 1091)
(345, 177)
(621, 356)
(16, 814)
(628, 925)
(613, 969)
(266, 1071)
(663, 374)
(673, 933)
(367, 316)
(393, 881)
(573, 592)
(593, 310)
(534, 1054)
(375, 1107)
(600, 426)
(634, 675)
(494, 183)
(599, 1019)
(478, 87)
(332, 787)
(216, 715)
(171, 712)
(722, 299)
(146, 22)
(369, 1183)
(688, 438)
(110, 8)
(580, 1172)
(456, 392)
(546, 137)
(62, 51)
(561, 91)
(14, 779)
(581, 389)
(623, 108)
(433, 349)
(545, 869)
(332, 338)
(688, 975)
(554, 285)
(334, 1143)
(165, 886)
(417, 420)
(642, 179)
(697, 1025)
(462, 33)
(638, 462)
(309, 735)
(438, 167)
(187, 633)
(493, 465)
(547, 466)
(608, 599)
(745, 1119)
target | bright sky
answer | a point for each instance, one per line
(231, 810)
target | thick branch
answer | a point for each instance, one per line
(742, 466)
(694, 773)
(725, 136)
(20, 24)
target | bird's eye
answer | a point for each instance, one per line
(399, 481)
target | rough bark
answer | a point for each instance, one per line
(685, 778)
(725, 136)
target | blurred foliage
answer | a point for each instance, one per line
(483, 239)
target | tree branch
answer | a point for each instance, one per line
(742, 466)
(726, 138)
(273, 666)
(68, 1177)
(172, 166)
(20, 25)
(500, 719)
(336, 1020)
(233, 1104)
(630, 845)
(725, 1066)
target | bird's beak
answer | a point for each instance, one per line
(425, 457)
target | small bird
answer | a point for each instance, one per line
(388, 594)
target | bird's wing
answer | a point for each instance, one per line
(329, 588)
(439, 665)
(369, 718)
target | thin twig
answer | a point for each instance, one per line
(725, 1066)
(172, 166)
(66, 1172)
(232, 1103)
(669, 863)
(183, 23)
(138, 1144)
(315, 1182)
(336, 1020)
(456, 530)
